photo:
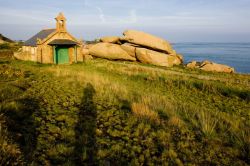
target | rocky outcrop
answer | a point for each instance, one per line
(155, 58)
(210, 66)
(110, 39)
(135, 45)
(110, 51)
(147, 40)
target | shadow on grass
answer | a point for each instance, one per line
(21, 125)
(85, 147)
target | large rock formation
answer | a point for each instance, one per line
(145, 48)
(210, 66)
(110, 51)
(147, 40)
(156, 58)
(135, 45)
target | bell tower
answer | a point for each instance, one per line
(61, 23)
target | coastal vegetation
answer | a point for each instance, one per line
(104, 112)
(7, 49)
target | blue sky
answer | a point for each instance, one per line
(174, 20)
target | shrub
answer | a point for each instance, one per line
(5, 46)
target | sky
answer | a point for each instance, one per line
(173, 20)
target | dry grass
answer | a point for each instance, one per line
(175, 121)
(142, 111)
(105, 87)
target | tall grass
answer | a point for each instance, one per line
(207, 123)
(142, 111)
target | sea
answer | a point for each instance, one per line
(236, 55)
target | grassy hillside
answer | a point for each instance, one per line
(122, 113)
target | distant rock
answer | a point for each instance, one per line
(217, 68)
(155, 58)
(110, 39)
(147, 40)
(210, 66)
(203, 63)
(110, 51)
(192, 65)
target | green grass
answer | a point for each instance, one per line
(123, 113)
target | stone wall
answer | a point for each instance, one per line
(27, 53)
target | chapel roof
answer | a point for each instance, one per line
(41, 35)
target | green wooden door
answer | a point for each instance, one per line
(62, 55)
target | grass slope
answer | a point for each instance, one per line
(122, 113)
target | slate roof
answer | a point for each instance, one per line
(62, 42)
(41, 35)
